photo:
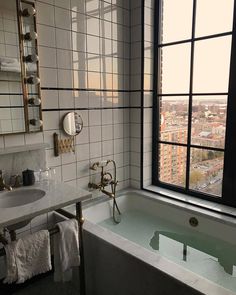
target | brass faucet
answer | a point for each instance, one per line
(15, 181)
(106, 178)
(3, 185)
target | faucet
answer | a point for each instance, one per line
(15, 181)
(106, 178)
(3, 185)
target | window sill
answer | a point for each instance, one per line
(215, 207)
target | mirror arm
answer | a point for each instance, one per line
(62, 146)
(56, 145)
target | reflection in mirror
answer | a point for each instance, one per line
(72, 123)
(12, 116)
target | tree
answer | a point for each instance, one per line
(195, 177)
(211, 155)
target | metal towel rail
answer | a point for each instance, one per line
(55, 230)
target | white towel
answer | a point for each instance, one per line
(66, 249)
(27, 257)
(8, 64)
(10, 69)
(8, 60)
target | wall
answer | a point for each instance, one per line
(136, 92)
(84, 50)
(148, 91)
(11, 119)
(141, 91)
(91, 61)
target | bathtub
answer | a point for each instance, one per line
(155, 249)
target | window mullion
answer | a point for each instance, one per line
(229, 175)
(190, 97)
(156, 115)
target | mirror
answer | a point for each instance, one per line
(12, 115)
(72, 124)
(20, 103)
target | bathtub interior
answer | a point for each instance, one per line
(208, 250)
(139, 202)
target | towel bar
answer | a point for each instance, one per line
(52, 231)
(80, 219)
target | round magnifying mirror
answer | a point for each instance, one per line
(72, 123)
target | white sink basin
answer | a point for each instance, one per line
(20, 197)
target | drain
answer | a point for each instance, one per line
(193, 221)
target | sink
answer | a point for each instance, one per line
(20, 197)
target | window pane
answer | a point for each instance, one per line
(174, 118)
(176, 20)
(211, 65)
(206, 171)
(213, 17)
(209, 121)
(172, 164)
(174, 69)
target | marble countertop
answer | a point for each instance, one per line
(57, 195)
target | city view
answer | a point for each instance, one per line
(208, 130)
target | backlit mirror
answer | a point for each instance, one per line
(72, 123)
(20, 102)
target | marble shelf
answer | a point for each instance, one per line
(23, 148)
(57, 195)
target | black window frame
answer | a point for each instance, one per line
(228, 196)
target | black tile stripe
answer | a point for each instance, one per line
(84, 89)
(89, 109)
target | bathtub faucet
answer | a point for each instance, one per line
(106, 178)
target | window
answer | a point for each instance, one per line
(194, 126)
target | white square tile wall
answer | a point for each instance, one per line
(141, 101)
(90, 57)
(84, 51)
(147, 97)
(135, 93)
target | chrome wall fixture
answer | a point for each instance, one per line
(29, 11)
(29, 36)
(30, 65)
(32, 80)
(34, 101)
(31, 58)
(36, 122)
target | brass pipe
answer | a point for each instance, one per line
(80, 219)
(109, 194)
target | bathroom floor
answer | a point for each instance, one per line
(45, 285)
